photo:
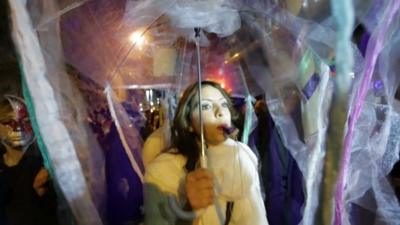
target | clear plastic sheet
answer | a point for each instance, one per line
(283, 50)
(75, 158)
(371, 161)
(220, 17)
(128, 133)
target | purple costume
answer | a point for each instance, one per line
(281, 177)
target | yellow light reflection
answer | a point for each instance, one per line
(138, 39)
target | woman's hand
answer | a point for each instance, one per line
(199, 188)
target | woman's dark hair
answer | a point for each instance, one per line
(183, 138)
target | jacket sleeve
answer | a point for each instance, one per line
(256, 211)
(155, 206)
(260, 216)
(161, 180)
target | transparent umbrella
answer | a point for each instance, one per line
(281, 50)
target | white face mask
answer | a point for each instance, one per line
(215, 114)
(18, 133)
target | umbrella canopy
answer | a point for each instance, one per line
(282, 50)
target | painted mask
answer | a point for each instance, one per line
(19, 133)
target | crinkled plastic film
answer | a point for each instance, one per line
(61, 116)
(128, 133)
(284, 52)
(372, 161)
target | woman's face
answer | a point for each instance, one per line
(215, 115)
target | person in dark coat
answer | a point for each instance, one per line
(281, 176)
(26, 194)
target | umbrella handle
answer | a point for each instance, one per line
(180, 213)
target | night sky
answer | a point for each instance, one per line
(9, 71)
(6, 52)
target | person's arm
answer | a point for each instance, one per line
(161, 180)
(199, 192)
(155, 206)
(164, 177)
(157, 211)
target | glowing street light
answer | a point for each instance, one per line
(232, 58)
(138, 39)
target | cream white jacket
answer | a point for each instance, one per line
(234, 167)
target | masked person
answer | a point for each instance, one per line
(26, 195)
(228, 191)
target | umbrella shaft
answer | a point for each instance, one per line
(203, 159)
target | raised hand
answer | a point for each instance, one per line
(199, 188)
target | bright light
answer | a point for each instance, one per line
(138, 39)
(148, 95)
(236, 55)
(222, 85)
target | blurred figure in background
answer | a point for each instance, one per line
(281, 176)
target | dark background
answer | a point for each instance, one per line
(9, 71)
